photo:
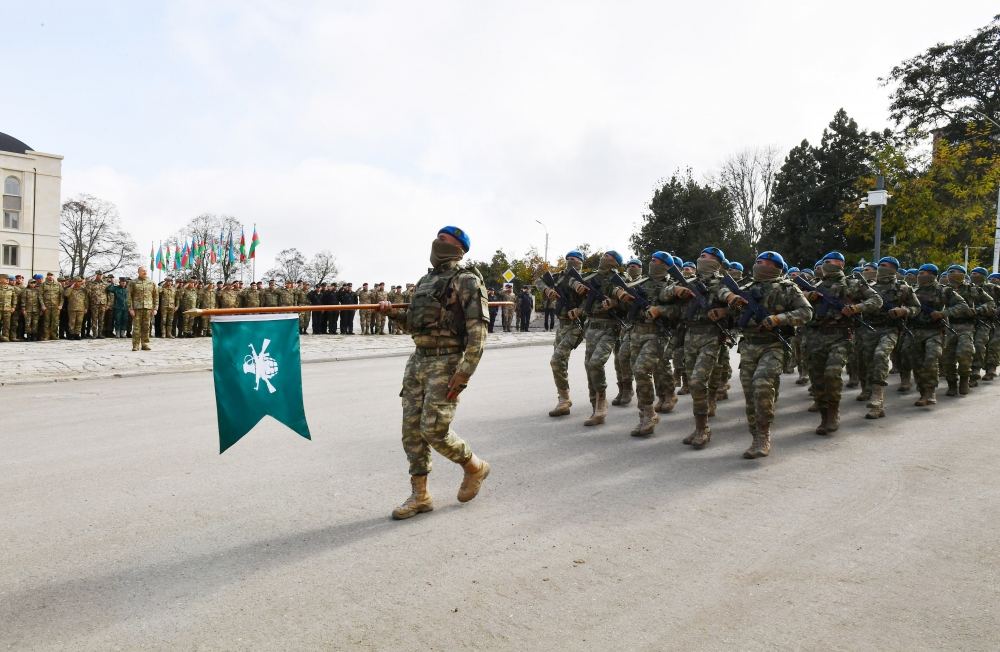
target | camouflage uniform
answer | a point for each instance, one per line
(17, 319)
(923, 350)
(168, 308)
(507, 312)
(187, 300)
(569, 335)
(987, 325)
(207, 300)
(31, 304)
(302, 299)
(52, 295)
(829, 344)
(97, 296)
(601, 335)
(229, 298)
(762, 355)
(143, 297)
(394, 297)
(992, 357)
(77, 302)
(623, 353)
(250, 297)
(271, 296)
(960, 349)
(365, 296)
(8, 303)
(378, 319)
(876, 347)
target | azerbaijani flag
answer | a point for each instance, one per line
(254, 241)
(177, 256)
(185, 256)
(243, 246)
(151, 257)
(159, 256)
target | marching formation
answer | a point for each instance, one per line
(671, 331)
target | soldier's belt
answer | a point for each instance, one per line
(761, 338)
(444, 350)
(601, 323)
(644, 328)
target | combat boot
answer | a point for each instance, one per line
(761, 446)
(145, 347)
(600, 410)
(418, 502)
(814, 406)
(711, 404)
(833, 418)
(952, 387)
(864, 395)
(991, 373)
(684, 386)
(852, 381)
(904, 382)
(702, 433)
(821, 429)
(931, 396)
(617, 400)
(562, 407)
(963, 385)
(875, 408)
(927, 397)
(974, 378)
(666, 404)
(647, 422)
(723, 393)
(803, 379)
(625, 394)
(476, 471)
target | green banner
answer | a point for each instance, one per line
(258, 372)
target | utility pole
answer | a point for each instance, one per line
(878, 199)
(996, 238)
(547, 239)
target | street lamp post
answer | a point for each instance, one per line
(546, 241)
(878, 198)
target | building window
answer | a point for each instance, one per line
(12, 203)
(10, 255)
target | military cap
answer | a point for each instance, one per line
(614, 254)
(718, 253)
(635, 261)
(980, 270)
(737, 265)
(929, 267)
(458, 234)
(663, 257)
(889, 259)
(574, 253)
(956, 268)
(834, 255)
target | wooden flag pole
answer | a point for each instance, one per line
(198, 312)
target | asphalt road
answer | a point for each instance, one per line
(123, 528)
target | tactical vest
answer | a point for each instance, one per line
(892, 297)
(429, 313)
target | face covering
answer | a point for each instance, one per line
(633, 273)
(925, 279)
(708, 266)
(443, 252)
(885, 274)
(831, 270)
(870, 274)
(956, 278)
(575, 263)
(657, 270)
(978, 279)
(762, 272)
(606, 264)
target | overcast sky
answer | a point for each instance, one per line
(362, 127)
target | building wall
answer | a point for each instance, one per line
(43, 204)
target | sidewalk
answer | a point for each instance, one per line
(34, 362)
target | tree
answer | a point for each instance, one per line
(949, 84)
(748, 177)
(91, 238)
(215, 232)
(685, 216)
(290, 265)
(321, 268)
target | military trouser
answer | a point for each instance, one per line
(874, 353)
(956, 358)
(32, 321)
(922, 354)
(141, 323)
(981, 342)
(427, 412)
(701, 357)
(97, 320)
(507, 317)
(187, 324)
(17, 325)
(568, 337)
(303, 322)
(76, 322)
(646, 348)
(50, 323)
(725, 369)
(379, 323)
(677, 357)
(365, 321)
(204, 326)
(828, 351)
(993, 349)
(5, 320)
(663, 376)
(762, 359)
(121, 321)
(623, 360)
(167, 322)
(601, 337)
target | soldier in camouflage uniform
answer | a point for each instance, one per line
(8, 304)
(32, 307)
(646, 338)
(725, 372)
(365, 296)
(143, 298)
(52, 296)
(831, 334)
(569, 333)
(378, 319)
(168, 307)
(875, 347)
(207, 299)
(960, 348)
(623, 362)
(703, 338)
(762, 354)
(992, 359)
(507, 312)
(923, 351)
(119, 307)
(271, 297)
(17, 319)
(601, 334)
(188, 300)
(987, 323)
(251, 296)
(97, 297)
(77, 303)
(395, 296)
(229, 297)
(448, 320)
(301, 293)
(286, 295)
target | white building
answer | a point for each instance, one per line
(32, 200)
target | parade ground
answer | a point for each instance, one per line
(125, 529)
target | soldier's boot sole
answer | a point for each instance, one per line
(476, 472)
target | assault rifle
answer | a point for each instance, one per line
(594, 294)
(700, 300)
(640, 301)
(828, 301)
(754, 309)
(547, 281)
(926, 309)
(889, 305)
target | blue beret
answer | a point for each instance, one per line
(889, 259)
(678, 261)
(37, 277)
(792, 270)
(856, 269)
(980, 270)
(575, 254)
(995, 275)
(614, 254)
(688, 263)
(736, 265)
(834, 255)
(459, 235)
(635, 261)
(929, 267)
(871, 265)
(663, 257)
(807, 271)
(956, 268)
(715, 251)
(774, 257)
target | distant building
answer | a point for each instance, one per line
(32, 200)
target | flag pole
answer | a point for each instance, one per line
(208, 312)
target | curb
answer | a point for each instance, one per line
(200, 367)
